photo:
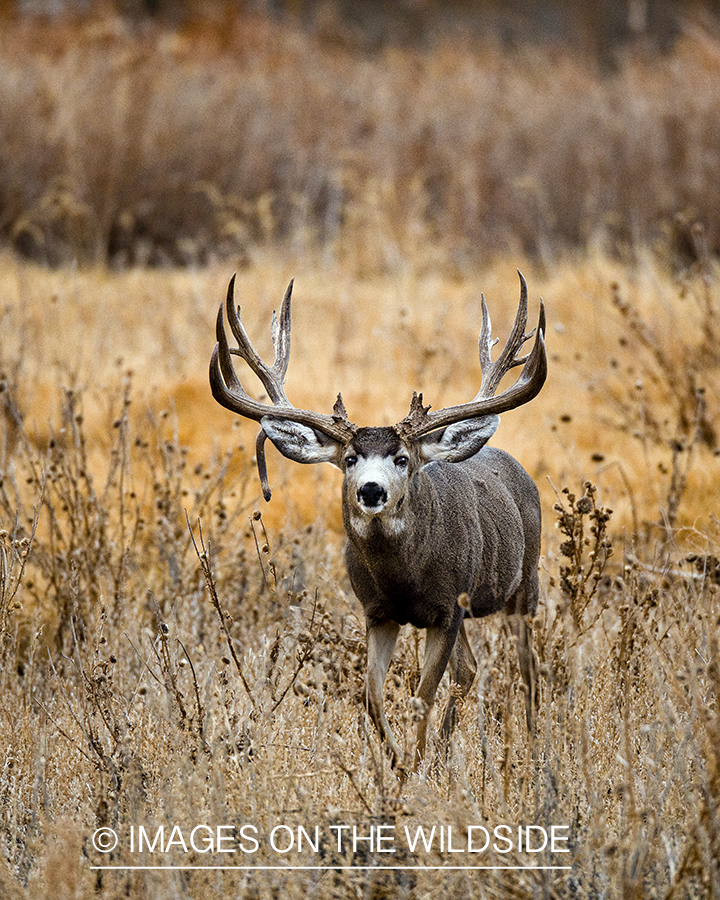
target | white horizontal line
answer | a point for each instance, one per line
(332, 868)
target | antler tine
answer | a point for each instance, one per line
(228, 391)
(281, 335)
(486, 341)
(271, 377)
(421, 420)
(493, 373)
(224, 383)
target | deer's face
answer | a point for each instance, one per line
(378, 466)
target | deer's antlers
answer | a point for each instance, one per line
(421, 419)
(229, 392)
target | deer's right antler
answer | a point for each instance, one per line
(229, 392)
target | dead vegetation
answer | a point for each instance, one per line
(169, 145)
(172, 657)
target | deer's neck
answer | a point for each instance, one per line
(394, 538)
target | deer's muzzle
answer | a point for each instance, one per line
(372, 495)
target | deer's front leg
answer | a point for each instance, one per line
(381, 640)
(439, 643)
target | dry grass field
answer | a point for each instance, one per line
(182, 663)
(132, 696)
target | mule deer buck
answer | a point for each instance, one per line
(440, 527)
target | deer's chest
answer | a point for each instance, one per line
(407, 589)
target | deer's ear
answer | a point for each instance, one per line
(301, 443)
(459, 441)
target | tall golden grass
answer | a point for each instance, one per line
(135, 696)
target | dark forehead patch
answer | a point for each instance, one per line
(376, 441)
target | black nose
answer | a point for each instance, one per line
(372, 494)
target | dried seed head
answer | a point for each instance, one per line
(418, 709)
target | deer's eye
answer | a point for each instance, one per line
(401, 462)
(350, 461)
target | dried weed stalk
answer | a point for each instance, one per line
(14, 554)
(225, 619)
(672, 406)
(586, 554)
